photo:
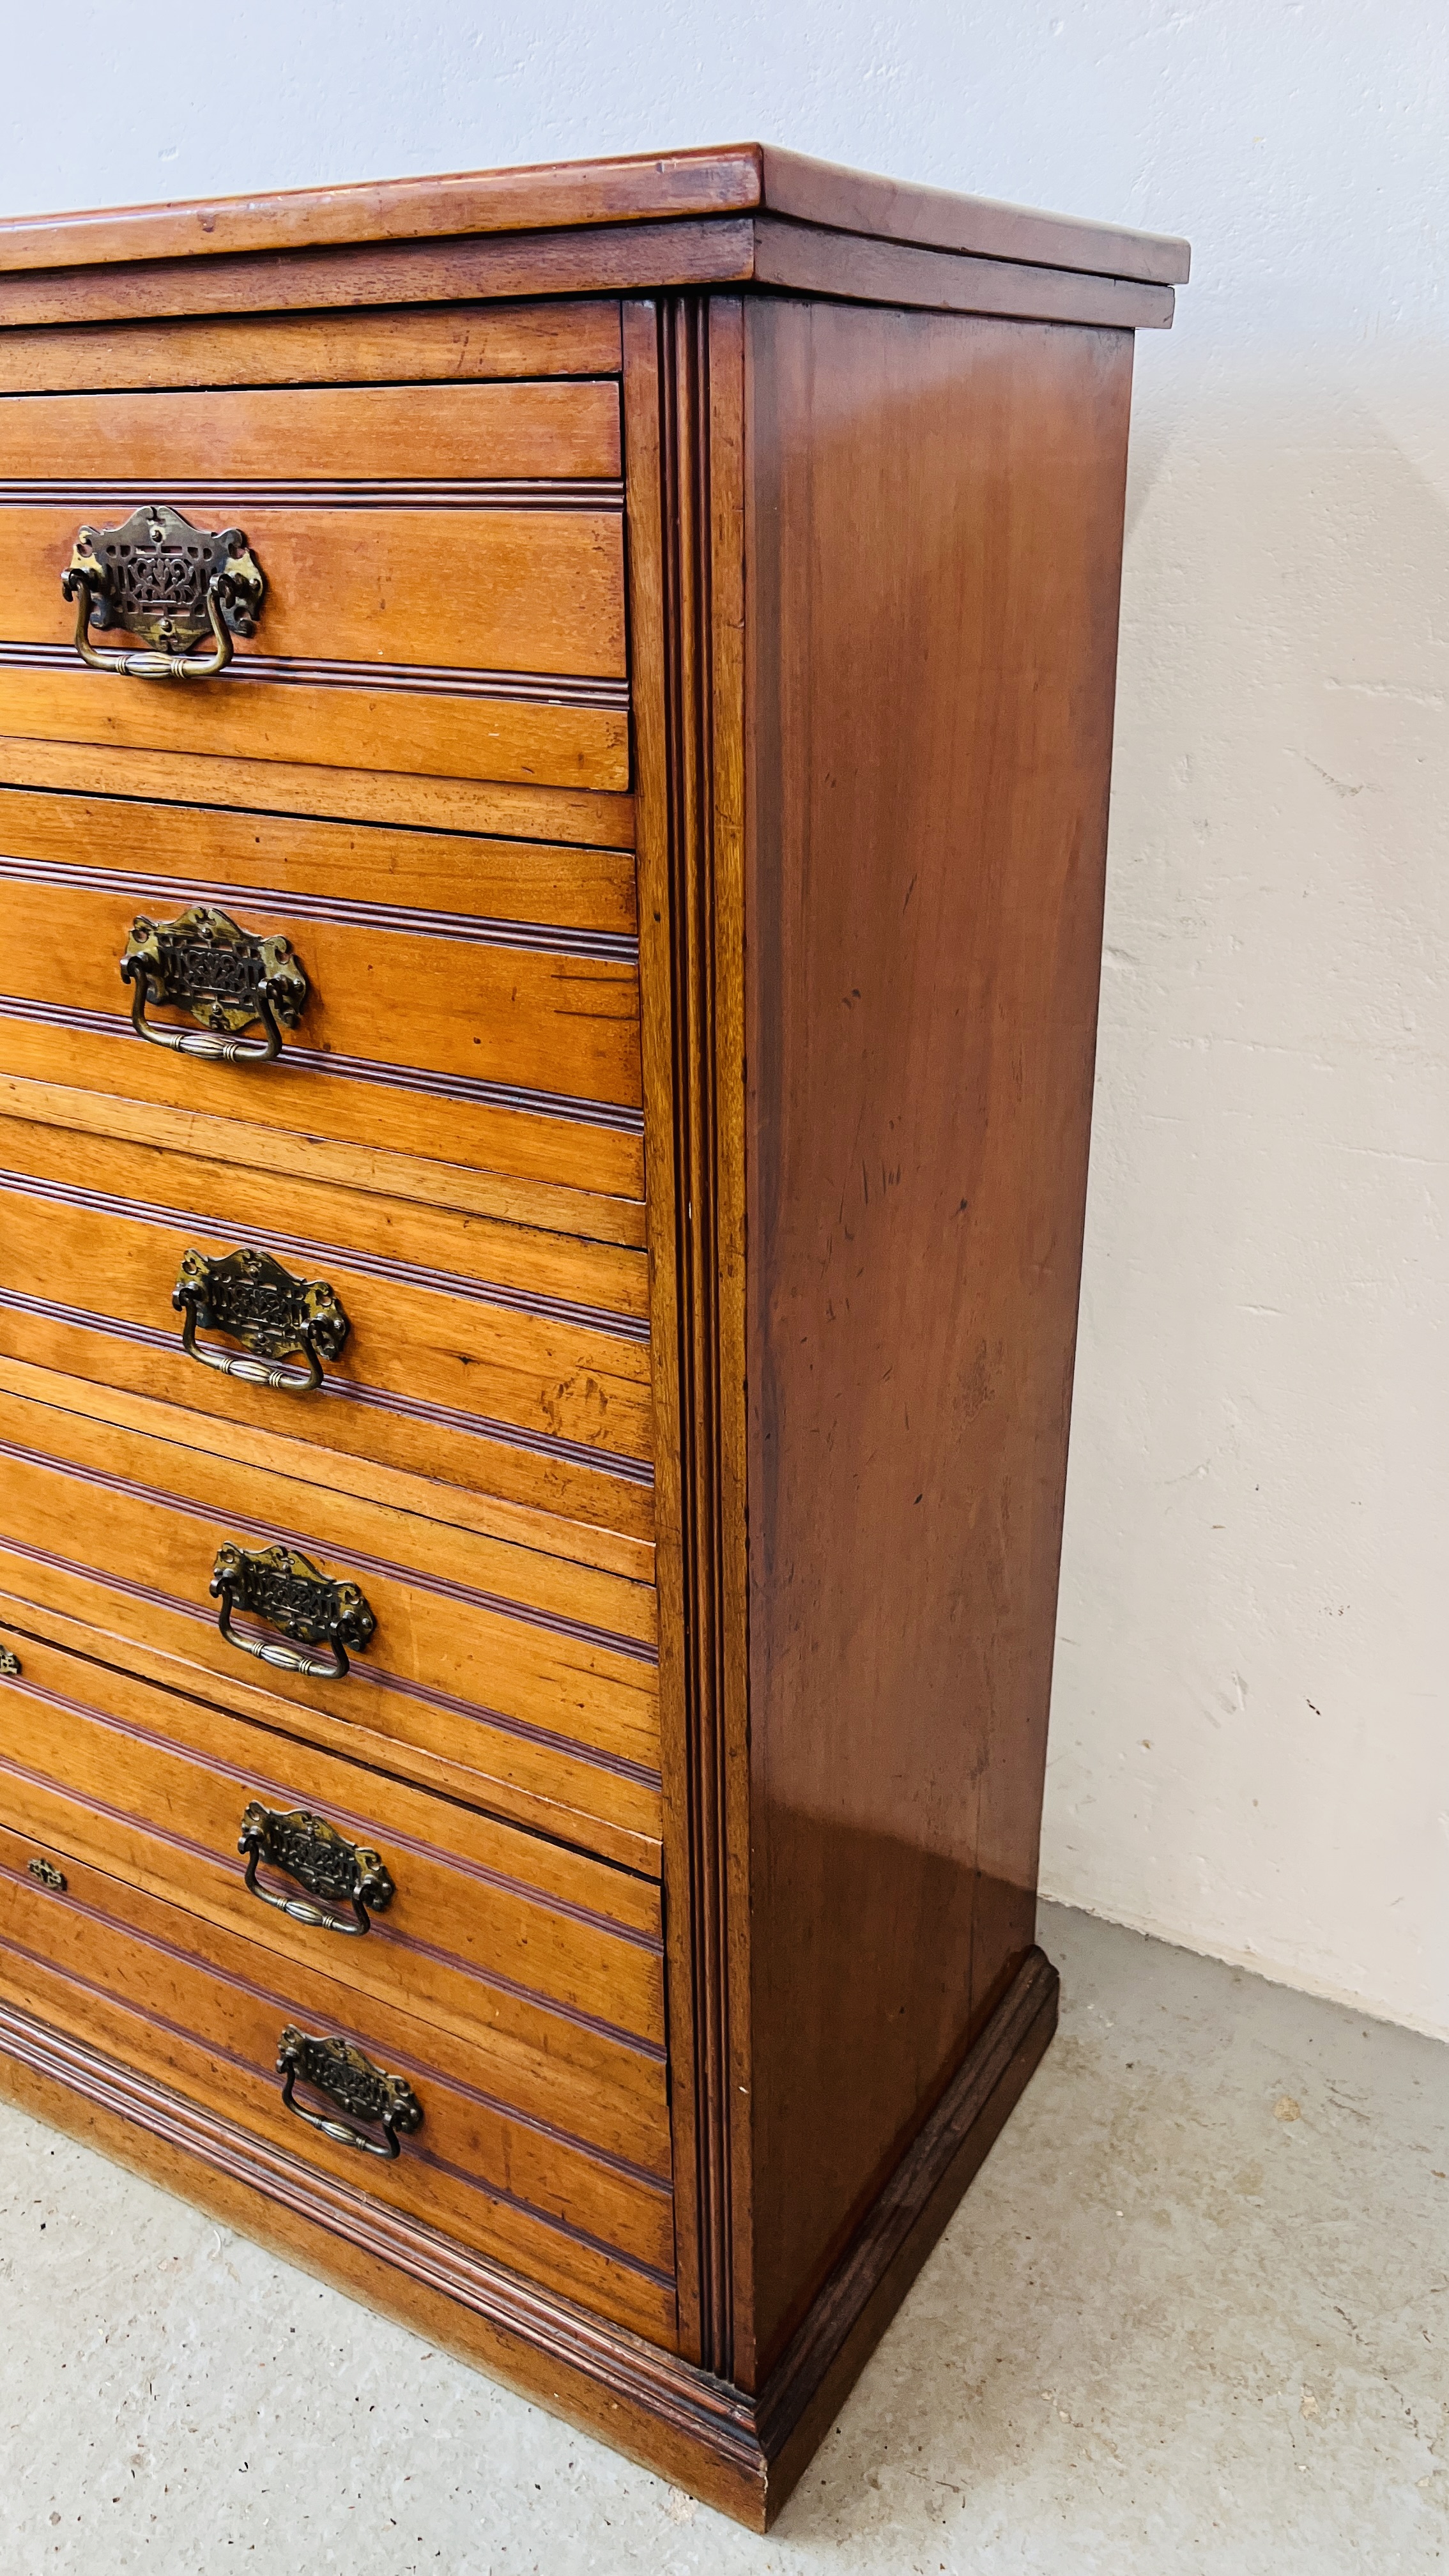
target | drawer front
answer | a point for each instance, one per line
(204, 2010)
(473, 1000)
(473, 1354)
(546, 1962)
(444, 570)
(536, 1677)
(450, 343)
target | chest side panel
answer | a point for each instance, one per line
(932, 612)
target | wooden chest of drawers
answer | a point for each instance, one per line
(552, 855)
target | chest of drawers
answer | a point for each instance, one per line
(552, 857)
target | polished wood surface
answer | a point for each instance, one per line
(543, 590)
(539, 1266)
(433, 1025)
(730, 178)
(338, 434)
(529, 1207)
(537, 1676)
(806, 262)
(938, 508)
(740, 2454)
(546, 1960)
(462, 341)
(701, 897)
(473, 1356)
(684, 412)
(564, 193)
(528, 811)
(607, 259)
(274, 1452)
(894, 210)
(614, 260)
(341, 723)
(460, 881)
(179, 1998)
(345, 1104)
(628, 1845)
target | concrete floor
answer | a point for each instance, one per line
(1194, 2314)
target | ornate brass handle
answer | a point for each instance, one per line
(259, 1304)
(337, 2068)
(313, 1852)
(226, 977)
(171, 584)
(281, 1585)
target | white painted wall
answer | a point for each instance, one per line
(1250, 1751)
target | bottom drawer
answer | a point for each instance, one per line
(204, 2010)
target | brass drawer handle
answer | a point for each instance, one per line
(250, 1297)
(226, 977)
(349, 2079)
(281, 1585)
(313, 1852)
(172, 584)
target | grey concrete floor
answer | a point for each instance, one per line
(1194, 2314)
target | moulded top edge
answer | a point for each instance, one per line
(737, 178)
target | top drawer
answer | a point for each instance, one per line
(443, 564)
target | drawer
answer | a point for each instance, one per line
(547, 1962)
(470, 999)
(203, 2010)
(447, 342)
(535, 1678)
(489, 1356)
(444, 573)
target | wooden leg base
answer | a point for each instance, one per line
(738, 2453)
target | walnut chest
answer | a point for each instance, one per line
(554, 744)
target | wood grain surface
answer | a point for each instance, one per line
(609, 259)
(546, 1960)
(515, 1135)
(935, 544)
(713, 180)
(489, 589)
(274, 1451)
(445, 1189)
(344, 725)
(684, 418)
(530, 1268)
(426, 1031)
(527, 812)
(333, 433)
(550, 194)
(470, 876)
(742, 2455)
(469, 1379)
(465, 341)
(520, 1668)
(200, 2008)
(805, 261)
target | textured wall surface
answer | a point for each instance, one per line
(1250, 1748)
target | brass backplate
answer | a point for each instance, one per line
(292, 1594)
(313, 1852)
(48, 1875)
(338, 2068)
(253, 1300)
(204, 963)
(150, 577)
